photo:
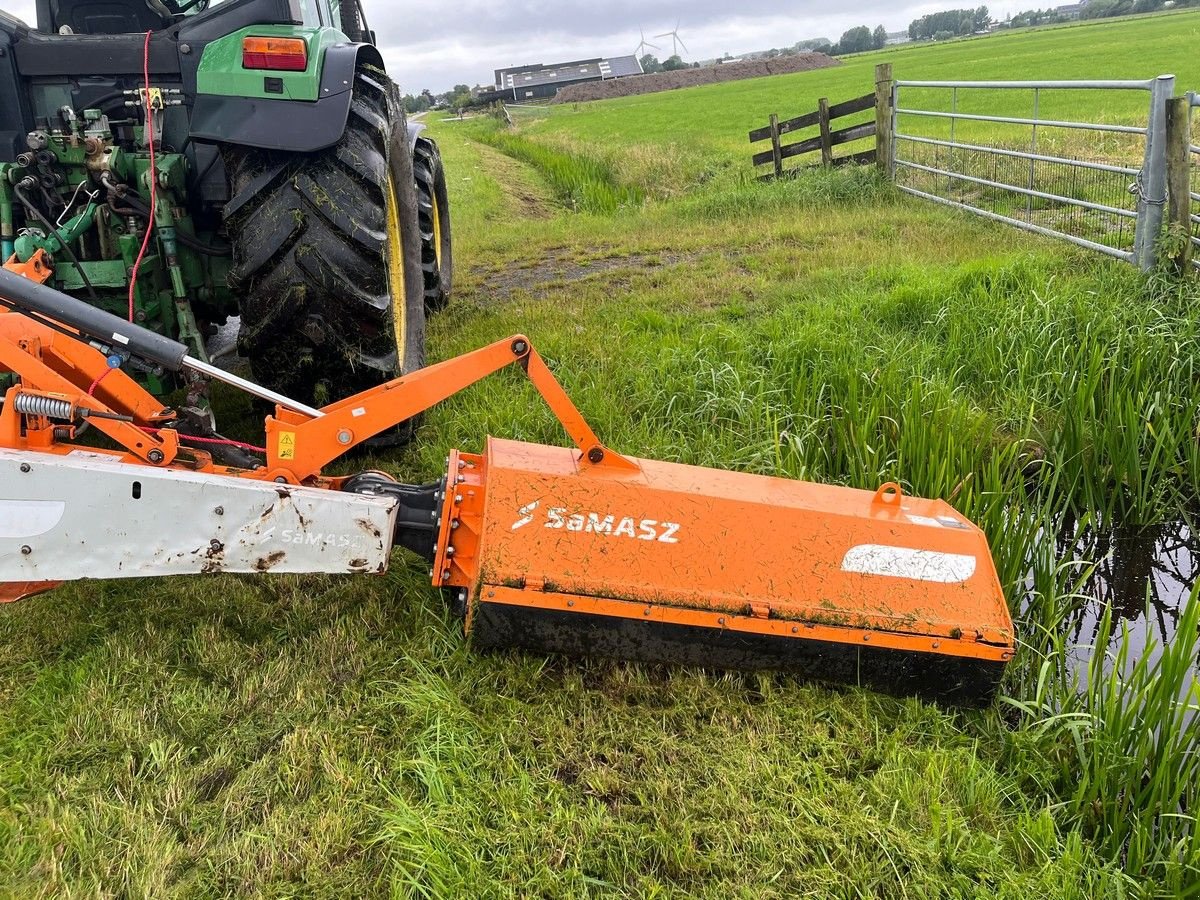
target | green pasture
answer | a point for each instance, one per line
(671, 142)
(308, 736)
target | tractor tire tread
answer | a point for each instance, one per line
(310, 236)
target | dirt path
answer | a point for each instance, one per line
(525, 193)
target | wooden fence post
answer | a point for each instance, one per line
(776, 153)
(823, 121)
(1179, 175)
(884, 139)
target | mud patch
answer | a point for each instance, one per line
(560, 267)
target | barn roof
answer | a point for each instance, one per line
(567, 72)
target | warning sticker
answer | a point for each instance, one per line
(287, 445)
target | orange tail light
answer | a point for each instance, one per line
(276, 53)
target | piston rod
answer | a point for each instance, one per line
(210, 371)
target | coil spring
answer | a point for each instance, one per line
(38, 405)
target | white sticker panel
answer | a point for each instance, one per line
(905, 562)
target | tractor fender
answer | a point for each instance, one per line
(414, 132)
(297, 126)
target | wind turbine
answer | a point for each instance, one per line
(676, 40)
(641, 47)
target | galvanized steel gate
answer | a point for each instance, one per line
(1102, 185)
(1194, 151)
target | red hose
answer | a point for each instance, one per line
(96, 383)
(153, 174)
(207, 440)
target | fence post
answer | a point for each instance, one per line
(823, 121)
(1152, 183)
(1179, 174)
(884, 146)
(776, 153)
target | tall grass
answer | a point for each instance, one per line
(1126, 741)
(581, 182)
(1036, 393)
(1023, 399)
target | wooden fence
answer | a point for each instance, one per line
(827, 138)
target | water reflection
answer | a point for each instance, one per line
(1145, 572)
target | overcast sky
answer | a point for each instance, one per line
(440, 44)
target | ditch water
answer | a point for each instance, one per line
(1145, 573)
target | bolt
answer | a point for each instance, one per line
(519, 348)
(25, 468)
(449, 551)
(431, 572)
(570, 603)
(936, 644)
(26, 549)
(721, 621)
(454, 523)
(462, 478)
(866, 637)
(646, 611)
(445, 574)
(461, 463)
(491, 594)
(795, 630)
(458, 498)
(155, 456)
(345, 436)
(595, 455)
(433, 514)
(220, 510)
(185, 48)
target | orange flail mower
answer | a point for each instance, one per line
(575, 550)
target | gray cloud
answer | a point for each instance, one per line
(436, 45)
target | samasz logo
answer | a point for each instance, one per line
(636, 528)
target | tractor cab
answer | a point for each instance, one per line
(94, 17)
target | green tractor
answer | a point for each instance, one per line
(183, 162)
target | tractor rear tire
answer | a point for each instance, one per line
(437, 257)
(327, 257)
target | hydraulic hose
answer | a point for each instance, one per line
(54, 232)
(113, 332)
(104, 327)
(137, 205)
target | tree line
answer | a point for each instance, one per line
(650, 64)
(455, 98)
(853, 40)
(949, 23)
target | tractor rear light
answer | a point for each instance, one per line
(279, 54)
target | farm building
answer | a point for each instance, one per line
(542, 81)
(1071, 10)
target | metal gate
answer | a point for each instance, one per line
(1099, 184)
(1194, 174)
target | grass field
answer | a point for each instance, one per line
(283, 736)
(668, 143)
